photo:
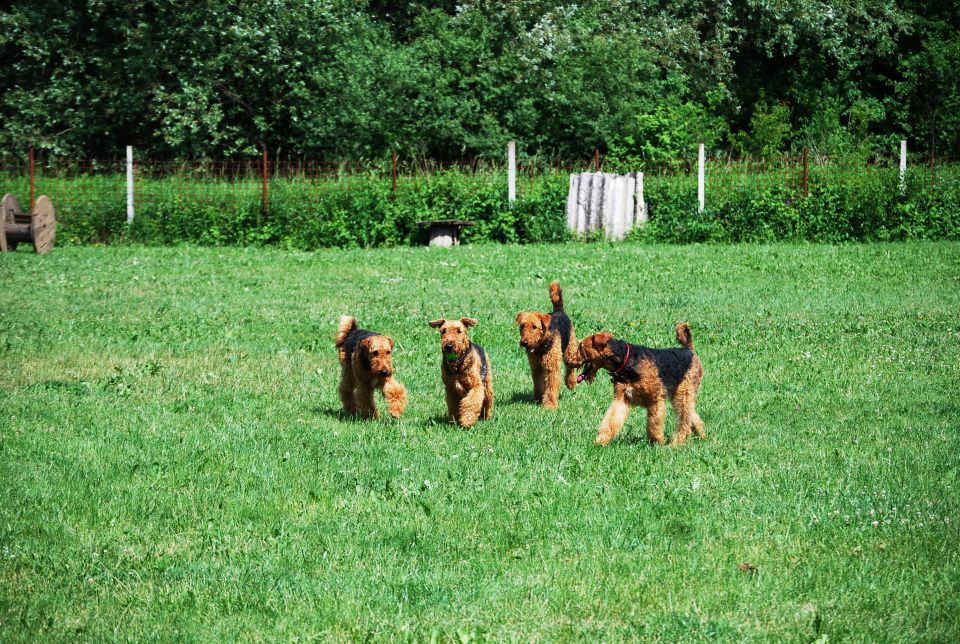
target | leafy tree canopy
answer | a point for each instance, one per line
(449, 80)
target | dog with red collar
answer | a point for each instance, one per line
(465, 371)
(647, 378)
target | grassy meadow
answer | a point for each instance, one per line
(174, 465)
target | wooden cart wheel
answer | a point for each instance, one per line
(9, 208)
(44, 224)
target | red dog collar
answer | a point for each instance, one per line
(625, 359)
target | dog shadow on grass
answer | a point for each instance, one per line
(337, 413)
(519, 398)
(628, 438)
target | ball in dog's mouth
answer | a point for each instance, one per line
(587, 369)
(450, 356)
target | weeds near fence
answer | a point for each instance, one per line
(310, 205)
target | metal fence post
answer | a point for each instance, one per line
(129, 184)
(806, 174)
(264, 202)
(394, 172)
(701, 162)
(32, 190)
(512, 171)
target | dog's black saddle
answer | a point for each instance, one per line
(560, 323)
(484, 369)
(354, 338)
(671, 364)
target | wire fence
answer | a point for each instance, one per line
(263, 182)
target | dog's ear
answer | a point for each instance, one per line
(390, 340)
(363, 350)
(468, 322)
(519, 317)
(601, 339)
(545, 319)
(436, 323)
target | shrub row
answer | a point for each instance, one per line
(365, 213)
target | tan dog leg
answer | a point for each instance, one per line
(682, 407)
(551, 394)
(470, 407)
(571, 360)
(453, 405)
(487, 411)
(347, 386)
(570, 376)
(655, 416)
(698, 427)
(538, 380)
(364, 398)
(396, 396)
(613, 421)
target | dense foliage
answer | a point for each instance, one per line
(364, 213)
(347, 79)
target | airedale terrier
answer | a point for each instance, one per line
(549, 340)
(466, 374)
(366, 363)
(643, 376)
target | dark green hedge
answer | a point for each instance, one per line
(869, 208)
(364, 213)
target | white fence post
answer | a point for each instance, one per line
(903, 167)
(512, 171)
(640, 206)
(605, 201)
(129, 184)
(572, 193)
(700, 178)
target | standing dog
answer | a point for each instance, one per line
(646, 377)
(366, 363)
(466, 374)
(549, 341)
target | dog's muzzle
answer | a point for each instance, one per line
(587, 370)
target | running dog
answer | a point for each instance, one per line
(366, 363)
(465, 371)
(646, 377)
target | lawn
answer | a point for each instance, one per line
(173, 464)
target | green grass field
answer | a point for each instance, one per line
(173, 465)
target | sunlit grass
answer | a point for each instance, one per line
(173, 464)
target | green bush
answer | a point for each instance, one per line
(363, 212)
(863, 208)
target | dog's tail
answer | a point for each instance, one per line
(684, 336)
(556, 296)
(347, 324)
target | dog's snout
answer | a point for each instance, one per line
(384, 372)
(448, 346)
(523, 343)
